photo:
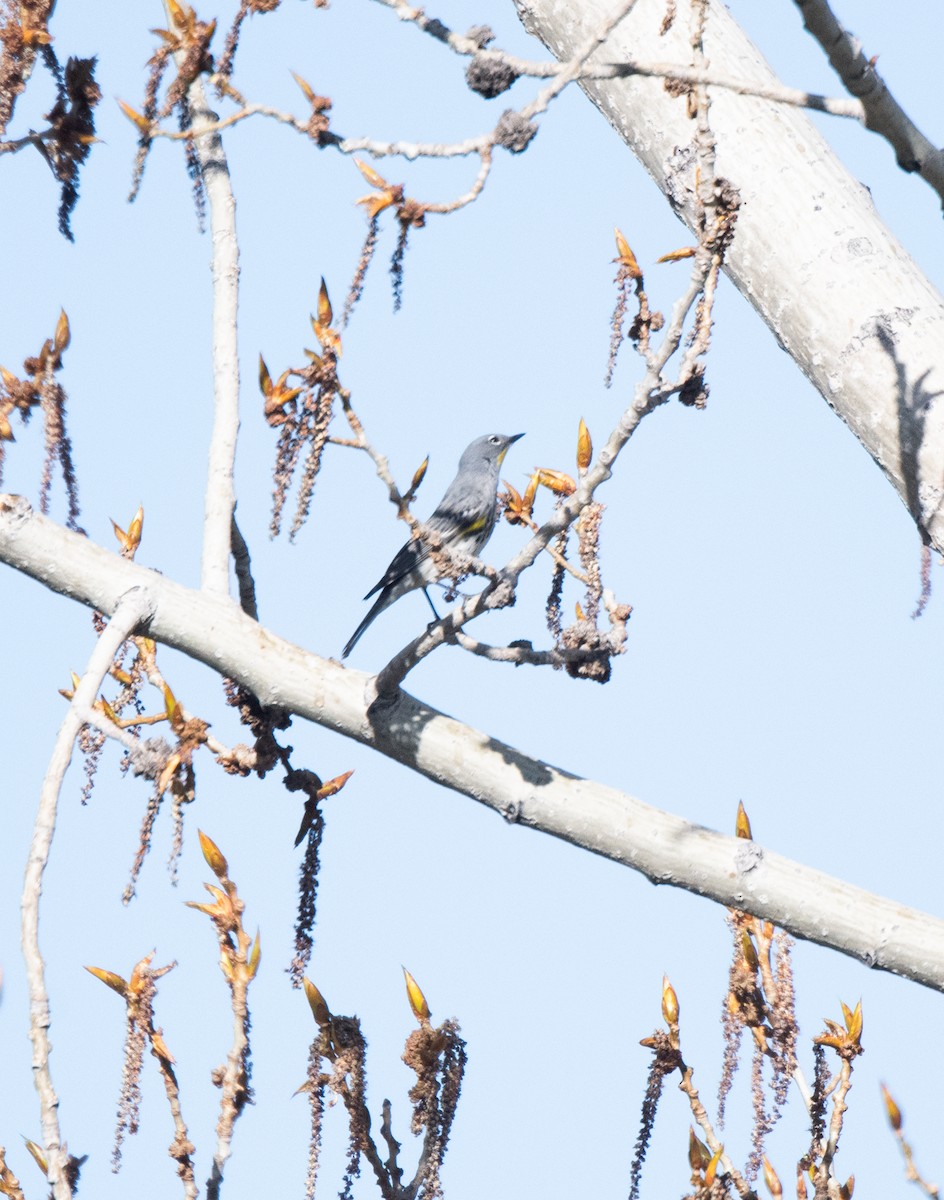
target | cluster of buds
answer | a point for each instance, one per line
(846, 1038)
(519, 507)
(23, 395)
(318, 123)
(239, 954)
(280, 400)
(410, 213)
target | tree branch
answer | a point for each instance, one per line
(740, 874)
(220, 498)
(881, 366)
(883, 114)
(130, 608)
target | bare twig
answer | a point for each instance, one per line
(883, 114)
(239, 961)
(521, 653)
(573, 69)
(835, 106)
(912, 1174)
(133, 608)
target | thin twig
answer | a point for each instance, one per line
(132, 610)
(521, 653)
(573, 69)
(835, 106)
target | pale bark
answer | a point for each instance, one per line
(130, 609)
(220, 498)
(212, 629)
(810, 253)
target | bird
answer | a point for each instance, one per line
(464, 519)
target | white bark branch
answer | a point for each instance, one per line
(837, 290)
(220, 499)
(131, 608)
(809, 904)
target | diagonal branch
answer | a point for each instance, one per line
(883, 114)
(603, 820)
(130, 609)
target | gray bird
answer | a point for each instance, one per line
(464, 519)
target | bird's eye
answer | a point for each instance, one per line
(495, 439)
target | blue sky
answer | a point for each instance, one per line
(771, 658)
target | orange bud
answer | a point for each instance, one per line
(670, 1004)
(333, 786)
(892, 1111)
(416, 997)
(712, 1168)
(177, 14)
(306, 88)
(160, 1047)
(255, 956)
(514, 496)
(584, 447)
(120, 535)
(325, 312)
(319, 1005)
(214, 858)
(142, 122)
(772, 1179)
(557, 481)
(38, 1156)
(135, 528)
(625, 256)
(677, 255)
(742, 824)
(171, 707)
(853, 1021)
(419, 474)
(371, 175)
(63, 335)
(110, 979)
(35, 37)
(265, 379)
(375, 203)
(699, 1156)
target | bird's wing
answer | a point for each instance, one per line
(414, 552)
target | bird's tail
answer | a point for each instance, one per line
(376, 608)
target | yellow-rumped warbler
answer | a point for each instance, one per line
(464, 519)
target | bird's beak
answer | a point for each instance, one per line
(501, 457)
